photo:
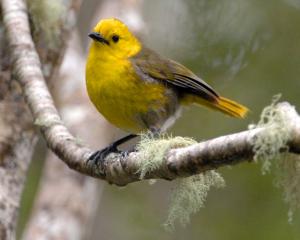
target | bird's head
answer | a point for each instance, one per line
(113, 37)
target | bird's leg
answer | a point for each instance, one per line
(154, 133)
(113, 147)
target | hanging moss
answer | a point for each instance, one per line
(268, 143)
(190, 193)
(288, 178)
(189, 196)
(267, 148)
(152, 150)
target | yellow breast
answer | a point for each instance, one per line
(119, 94)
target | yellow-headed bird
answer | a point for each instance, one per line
(136, 89)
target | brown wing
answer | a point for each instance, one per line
(151, 66)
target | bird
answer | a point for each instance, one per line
(138, 90)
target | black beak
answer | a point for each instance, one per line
(98, 37)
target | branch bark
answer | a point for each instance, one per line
(77, 197)
(17, 141)
(226, 150)
(18, 133)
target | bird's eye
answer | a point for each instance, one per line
(115, 38)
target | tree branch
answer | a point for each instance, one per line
(226, 150)
(18, 133)
(77, 197)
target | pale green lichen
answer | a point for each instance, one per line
(288, 178)
(267, 148)
(47, 122)
(47, 17)
(152, 150)
(190, 193)
(268, 143)
(189, 196)
(79, 140)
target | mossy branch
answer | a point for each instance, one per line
(175, 162)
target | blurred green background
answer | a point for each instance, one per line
(249, 51)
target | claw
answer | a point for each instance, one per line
(124, 154)
(100, 155)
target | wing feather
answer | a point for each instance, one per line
(149, 64)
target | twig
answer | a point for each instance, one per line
(226, 150)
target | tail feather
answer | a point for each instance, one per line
(221, 104)
(231, 108)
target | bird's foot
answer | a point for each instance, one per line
(125, 154)
(100, 155)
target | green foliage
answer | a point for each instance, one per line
(189, 196)
(269, 142)
(190, 193)
(46, 17)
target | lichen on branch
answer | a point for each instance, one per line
(190, 193)
(152, 151)
(189, 196)
(268, 144)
